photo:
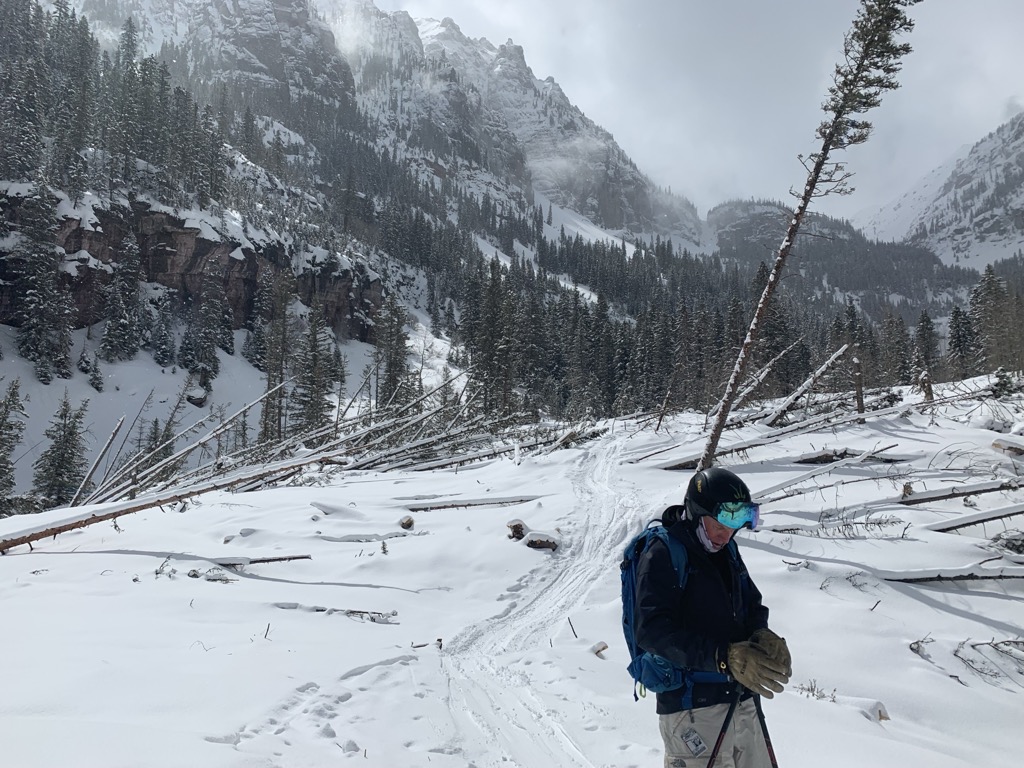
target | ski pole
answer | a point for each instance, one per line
(725, 726)
(764, 730)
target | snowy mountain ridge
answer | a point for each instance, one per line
(967, 210)
(260, 45)
(461, 87)
(970, 210)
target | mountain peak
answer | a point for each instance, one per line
(512, 51)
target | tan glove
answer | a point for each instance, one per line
(755, 670)
(775, 647)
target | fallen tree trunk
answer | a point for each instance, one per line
(818, 422)
(832, 486)
(804, 388)
(122, 509)
(957, 492)
(756, 380)
(1011, 444)
(958, 577)
(248, 476)
(241, 562)
(978, 518)
(858, 458)
(973, 572)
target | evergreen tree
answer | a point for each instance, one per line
(21, 120)
(279, 344)
(313, 365)
(161, 340)
(60, 469)
(990, 311)
(43, 305)
(249, 140)
(125, 128)
(254, 348)
(871, 61)
(198, 351)
(226, 330)
(961, 351)
(187, 348)
(122, 335)
(95, 374)
(12, 426)
(391, 354)
(84, 363)
(896, 356)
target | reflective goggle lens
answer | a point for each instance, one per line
(736, 514)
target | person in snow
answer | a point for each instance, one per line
(715, 628)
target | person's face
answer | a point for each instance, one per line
(718, 534)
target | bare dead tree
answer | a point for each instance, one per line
(871, 61)
(776, 416)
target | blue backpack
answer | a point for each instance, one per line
(649, 671)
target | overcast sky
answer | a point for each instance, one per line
(715, 98)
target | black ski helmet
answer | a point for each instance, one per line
(709, 488)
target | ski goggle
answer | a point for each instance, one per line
(736, 514)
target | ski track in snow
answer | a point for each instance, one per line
(479, 707)
(494, 708)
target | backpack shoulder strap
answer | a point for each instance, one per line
(677, 551)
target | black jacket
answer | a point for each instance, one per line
(692, 627)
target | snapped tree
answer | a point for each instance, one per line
(871, 60)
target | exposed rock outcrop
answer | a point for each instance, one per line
(177, 256)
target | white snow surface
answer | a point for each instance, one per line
(117, 657)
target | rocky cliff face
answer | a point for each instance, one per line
(759, 226)
(284, 60)
(177, 256)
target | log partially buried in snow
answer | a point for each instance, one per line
(517, 529)
(1010, 444)
(344, 511)
(538, 540)
(872, 709)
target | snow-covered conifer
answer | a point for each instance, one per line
(122, 335)
(95, 374)
(59, 470)
(313, 365)
(12, 416)
(161, 339)
(43, 305)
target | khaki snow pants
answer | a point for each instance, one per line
(690, 737)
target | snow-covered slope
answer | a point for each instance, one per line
(897, 218)
(153, 644)
(970, 210)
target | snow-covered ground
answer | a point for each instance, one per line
(451, 645)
